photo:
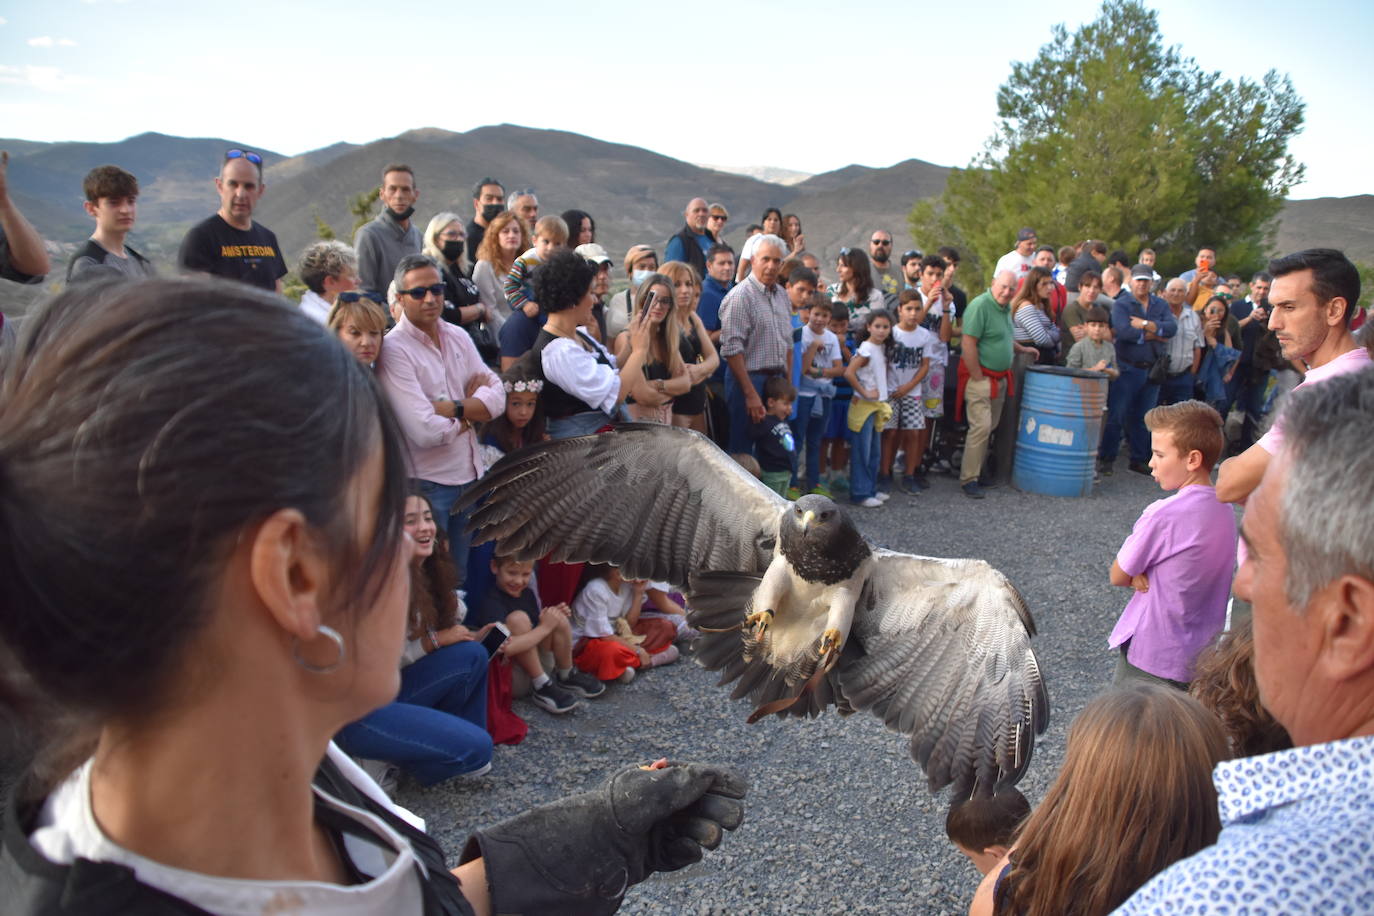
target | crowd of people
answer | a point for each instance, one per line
(470, 340)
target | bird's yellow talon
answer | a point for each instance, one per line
(830, 643)
(760, 619)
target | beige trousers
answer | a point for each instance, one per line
(984, 413)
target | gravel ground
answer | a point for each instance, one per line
(838, 817)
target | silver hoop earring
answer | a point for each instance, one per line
(333, 634)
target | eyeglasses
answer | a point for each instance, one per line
(418, 293)
(353, 295)
(887, 242)
(243, 154)
(719, 216)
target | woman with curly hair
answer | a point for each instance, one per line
(584, 386)
(436, 727)
(505, 240)
(1133, 796)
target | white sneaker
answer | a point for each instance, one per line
(882, 497)
(626, 676)
(872, 502)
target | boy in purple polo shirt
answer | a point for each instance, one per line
(1181, 554)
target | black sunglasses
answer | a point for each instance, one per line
(243, 154)
(911, 253)
(880, 242)
(353, 295)
(418, 293)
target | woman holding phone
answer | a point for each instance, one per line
(184, 639)
(584, 385)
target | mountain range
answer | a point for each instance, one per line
(634, 194)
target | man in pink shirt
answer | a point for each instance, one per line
(1179, 556)
(438, 387)
(1312, 301)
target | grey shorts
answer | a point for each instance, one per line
(907, 413)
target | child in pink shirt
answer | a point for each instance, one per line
(1180, 556)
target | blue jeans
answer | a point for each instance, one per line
(1177, 389)
(807, 431)
(863, 461)
(437, 726)
(442, 498)
(579, 424)
(1247, 391)
(740, 443)
(1128, 399)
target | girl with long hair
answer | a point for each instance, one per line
(505, 240)
(664, 370)
(1033, 315)
(1133, 796)
(699, 355)
(855, 287)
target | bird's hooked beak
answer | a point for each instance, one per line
(807, 518)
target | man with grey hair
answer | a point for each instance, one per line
(389, 236)
(1295, 823)
(327, 268)
(438, 387)
(526, 206)
(755, 339)
(693, 241)
(984, 373)
(1184, 348)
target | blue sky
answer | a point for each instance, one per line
(804, 85)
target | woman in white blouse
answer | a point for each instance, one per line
(585, 388)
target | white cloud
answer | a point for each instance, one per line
(44, 79)
(44, 41)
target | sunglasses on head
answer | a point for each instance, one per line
(844, 252)
(243, 154)
(910, 254)
(418, 292)
(353, 295)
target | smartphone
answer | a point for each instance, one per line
(649, 301)
(496, 637)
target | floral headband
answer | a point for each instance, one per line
(533, 386)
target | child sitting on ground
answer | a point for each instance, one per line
(1180, 556)
(772, 436)
(983, 828)
(604, 642)
(511, 601)
(1095, 352)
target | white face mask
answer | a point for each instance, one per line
(639, 276)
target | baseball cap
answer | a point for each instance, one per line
(1024, 234)
(594, 253)
(1142, 270)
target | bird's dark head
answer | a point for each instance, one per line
(815, 516)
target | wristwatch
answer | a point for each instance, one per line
(457, 409)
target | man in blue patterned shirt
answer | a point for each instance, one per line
(1296, 825)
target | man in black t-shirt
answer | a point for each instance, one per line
(229, 244)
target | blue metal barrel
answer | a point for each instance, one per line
(1059, 429)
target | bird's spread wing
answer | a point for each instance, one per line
(656, 501)
(947, 660)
